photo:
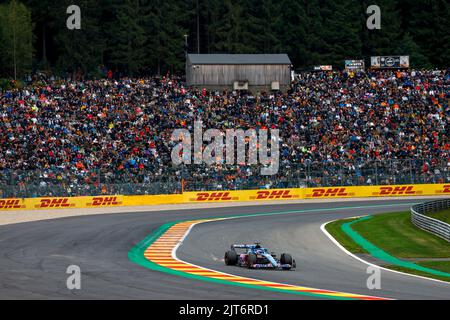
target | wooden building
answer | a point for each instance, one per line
(254, 72)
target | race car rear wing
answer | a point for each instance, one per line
(243, 246)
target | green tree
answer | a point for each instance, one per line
(441, 39)
(211, 18)
(80, 52)
(16, 39)
(263, 25)
(233, 33)
(44, 21)
(385, 40)
(127, 35)
(428, 22)
(147, 36)
(315, 40)
(291, 30)
(407, 46)
(341, 30)
(166, 24)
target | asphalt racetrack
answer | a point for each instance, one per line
(34, 256)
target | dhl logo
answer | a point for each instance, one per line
(281, 194)
(10, 204)
(104, 201)
(445, 189)
(329, 193)
(392, 191)
(213, 196)
(54, 203)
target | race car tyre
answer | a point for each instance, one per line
(231, 258)
(251, 260)
(286, 259)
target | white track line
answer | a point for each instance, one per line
(322, 227)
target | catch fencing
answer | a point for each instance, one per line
(155, 179)
(420, 218)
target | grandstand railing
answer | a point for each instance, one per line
(160, 179)
(420, 218)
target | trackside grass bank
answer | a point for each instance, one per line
(396, 235)
(443, 215)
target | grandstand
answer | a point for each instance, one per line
(61, 137)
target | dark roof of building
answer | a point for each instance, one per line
(239, 58)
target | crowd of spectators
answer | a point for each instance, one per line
(62, 137)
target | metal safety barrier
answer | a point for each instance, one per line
(420, 219)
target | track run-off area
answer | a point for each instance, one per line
(178, 254)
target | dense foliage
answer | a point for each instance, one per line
(136, 37)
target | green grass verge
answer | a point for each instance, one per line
(443, 215)
(334, 228)
(417, 272)
(438, 265)
(395, 234)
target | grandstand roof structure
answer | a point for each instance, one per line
(239, 59)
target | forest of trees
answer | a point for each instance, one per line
(137, 37)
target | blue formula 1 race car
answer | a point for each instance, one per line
(253, 256)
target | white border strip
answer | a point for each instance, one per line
(322, 227)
